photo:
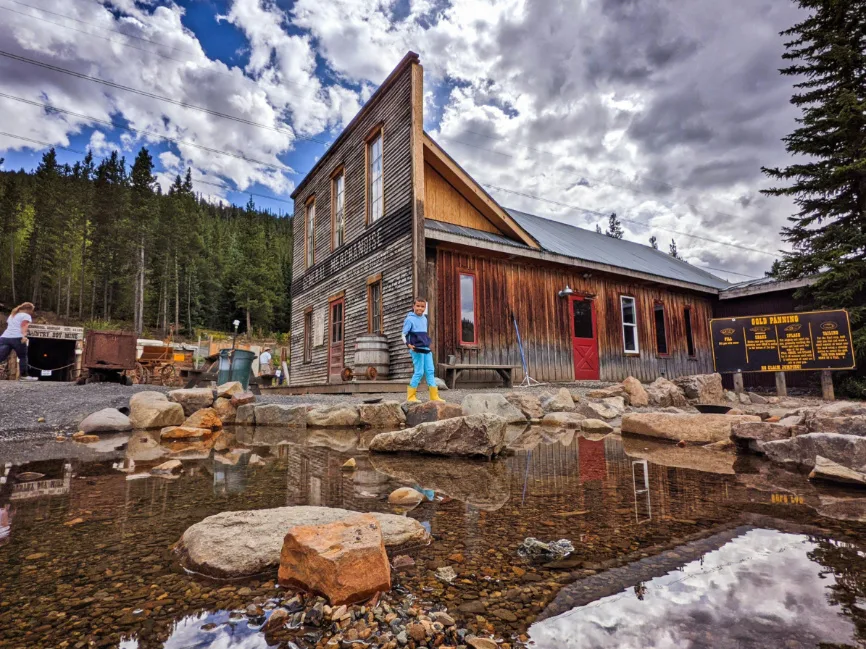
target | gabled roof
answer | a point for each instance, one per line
(578, 243)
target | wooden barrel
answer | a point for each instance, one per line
(371, 351)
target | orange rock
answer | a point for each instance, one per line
(183, 432)
(204, 418)
(344, 561)
(772, 420)
(456, 557)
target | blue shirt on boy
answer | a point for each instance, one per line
(415, 332)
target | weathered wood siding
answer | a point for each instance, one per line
(382, 247)
(530, 290)
(444, 203)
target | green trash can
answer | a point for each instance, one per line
(237, 370)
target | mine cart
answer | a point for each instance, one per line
(108, 355)
(162, 364)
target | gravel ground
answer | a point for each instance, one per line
(64, 405)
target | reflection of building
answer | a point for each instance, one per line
(48, 486)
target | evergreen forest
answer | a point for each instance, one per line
(101, 243)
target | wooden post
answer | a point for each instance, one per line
(781, 386)
(738, 383)
(827, 392)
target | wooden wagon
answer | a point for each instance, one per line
(162, 364)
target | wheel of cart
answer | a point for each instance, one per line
(140, 375)
(168, 374)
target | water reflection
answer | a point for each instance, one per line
(759, 589)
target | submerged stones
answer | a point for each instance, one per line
(344, 561)
(536, 550)
(247, 543)
(691, 428)
(474, 435)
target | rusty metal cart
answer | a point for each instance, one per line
(108, 355)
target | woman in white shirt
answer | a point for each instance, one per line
(15, 338)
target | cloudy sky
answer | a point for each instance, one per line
(662, 111)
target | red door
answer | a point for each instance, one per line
(583, 338)
(335, 341)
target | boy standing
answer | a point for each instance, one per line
(416, 339)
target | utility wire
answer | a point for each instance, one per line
(240, 156)
(104, 29)
(639, 223)
(99, 157)
(151, 95)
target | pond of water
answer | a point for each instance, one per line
(673, 547)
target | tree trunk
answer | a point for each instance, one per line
(176, 296)
(69, 289)
(105, 298)
(189, 302)
(83, 268)
(249, 329)
(12, 265)
(93, 298)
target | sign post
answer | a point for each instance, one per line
(784, 342)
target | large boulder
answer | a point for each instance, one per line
(344, 561)
(833, 472)
(230, 389)
(247, 543)
(421, 413)
(695, 429)
(154, 411)
(146, 395)
(246, 415)
(845, 417)
(527, 403)
(484, 485)
(703, 388)
(107, 420)
(616, 390)
(562, 420)
(475, 435)
(494, 404)
(388, 414)
(192, 399)
(562, 401)
(337, 416)
(274, 414)
(664, 393)
(184, 433)
(800, 452)
(225, 410)
(752, 435)
(637, 394)
(609, 408)
(204, 418)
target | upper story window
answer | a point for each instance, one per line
(661, 329)
(338, 209)
(629, 325)
(468, 329)
(375, 184)
(310, 233)
(690, 338)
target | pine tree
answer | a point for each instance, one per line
(672, 250)
(614, 227)
(654, 242)
(142, 217)
(827, 51)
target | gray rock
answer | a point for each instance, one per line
(752, 435)
(247, 543)
(527, 403)
(475, 435)
(107, 420)
(833, 472)
(757, 399)
(420, 413)
(154, 413)
(703, 388)
(192, 399)
(337, 416)
(744, 399)
(494, 404)
(731, 396)
(274, 414)
(595, 410)
(382, 415)
(790, 420)
(850, 425)
(800, 452)
(441, 384)
(246, 415)
(562, 401)
(532, 548)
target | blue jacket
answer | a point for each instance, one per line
(415, 332)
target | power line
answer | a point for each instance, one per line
(99, 157)
(104, 29)
(240, 156)
(151, 95)
(116, 42)
(639, 223)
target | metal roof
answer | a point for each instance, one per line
(764, 285)
(578, 243)
(472, 233)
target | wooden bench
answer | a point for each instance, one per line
(453, 372)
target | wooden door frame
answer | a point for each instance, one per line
(571, 301)
(331, 304)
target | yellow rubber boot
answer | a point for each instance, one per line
(434, 394)
(412, 394)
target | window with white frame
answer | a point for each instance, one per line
(629, 325)
(375, 197)
(339, 200)
(310, 231)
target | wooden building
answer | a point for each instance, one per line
(387, 214)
